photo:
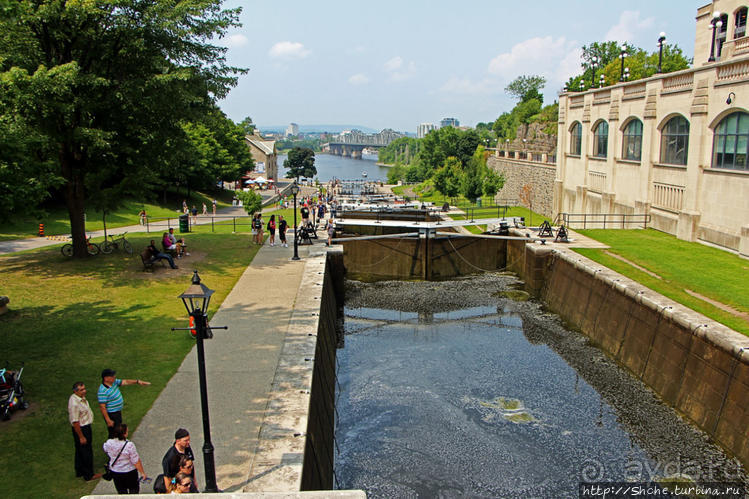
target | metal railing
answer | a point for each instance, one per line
(156, 224)
(603, 220)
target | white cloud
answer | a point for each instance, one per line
(466, 86)
(288, 50)
(628, 26)
(358, 79)
(554, 59)
(233, 41)
(399, 70)
(393, 64)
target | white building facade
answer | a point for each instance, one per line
(673, 146)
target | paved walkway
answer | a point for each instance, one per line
(241, 364)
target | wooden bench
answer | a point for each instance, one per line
(147, 258)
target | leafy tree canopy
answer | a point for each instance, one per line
(641, 64)
(251, 201)
(525, 88)
(106, 87)
(247, 126)
(300, 162)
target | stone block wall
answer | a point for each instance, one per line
(695, 364)
(518, 173)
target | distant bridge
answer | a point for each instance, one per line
(351, 144)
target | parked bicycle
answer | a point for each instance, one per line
(116, 242)
(93, 248)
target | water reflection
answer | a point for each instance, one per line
(461, 403)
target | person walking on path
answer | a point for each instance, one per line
(194, 213)
(81, 417)
(282, 226)
(110, 397)
(205, 210)
(171, 461)
(124, 462)
(272, 230)
(331, 231)
(214, 207)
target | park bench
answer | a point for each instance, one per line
(147, 258)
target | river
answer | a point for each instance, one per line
(330, 167)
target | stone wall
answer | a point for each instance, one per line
(518, 173)
(695, 364)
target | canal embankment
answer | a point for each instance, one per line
(695, 364)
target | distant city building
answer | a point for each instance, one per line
(292, 130)
(423, 129)
(449, 122)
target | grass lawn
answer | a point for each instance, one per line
(710, 272)
(69, 319)
(57, 221)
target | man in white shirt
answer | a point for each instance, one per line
(81, 417)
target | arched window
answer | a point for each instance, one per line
(632, 143)
(675, 141)
(601, 140)
(740, 24)
(576, 139)
(731, 142)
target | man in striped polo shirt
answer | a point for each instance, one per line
(110, 398)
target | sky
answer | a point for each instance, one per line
(396, 64)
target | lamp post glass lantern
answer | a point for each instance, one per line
(623, 55)
(661, 40)
(294, 192)
(196, 300)
(714, 23)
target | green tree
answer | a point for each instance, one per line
(252, 202)
(301, 163)
(247, 126)
(525, 88)
(106, 86)
(472, 185)
(447, 178)
(493, 182)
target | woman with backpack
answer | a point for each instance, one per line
(272, 229)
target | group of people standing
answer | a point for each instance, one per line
(124, 465)
(258, 235)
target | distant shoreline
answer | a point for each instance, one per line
(386, 165)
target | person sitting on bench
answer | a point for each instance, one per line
(157, 255)
(177, 245)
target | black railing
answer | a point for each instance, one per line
(603, 220)
(164, 224)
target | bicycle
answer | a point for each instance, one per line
(107, 246)
(93, 248)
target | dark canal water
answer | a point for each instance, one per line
(330, 167)
(447, 390)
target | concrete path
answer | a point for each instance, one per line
(241, 364)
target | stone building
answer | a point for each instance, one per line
(673, 146)
(264, 153)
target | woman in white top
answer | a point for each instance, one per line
(124, 461)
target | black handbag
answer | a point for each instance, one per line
(108, 475)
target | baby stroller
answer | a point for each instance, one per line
(11, 392)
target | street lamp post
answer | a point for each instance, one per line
(582, 85)
(602, 81)
(594, 65)
(661, 40)
(196, 299)
(715, 23)
(622, 55)
(295, 191)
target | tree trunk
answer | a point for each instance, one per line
(75, 202)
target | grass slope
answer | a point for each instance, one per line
(713, 273)
(69, 319)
